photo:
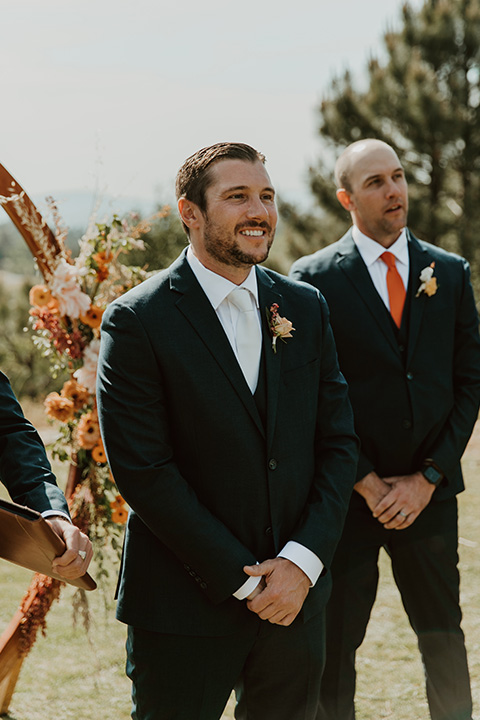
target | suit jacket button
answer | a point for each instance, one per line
(272, 464)
(409, 376)
(203, 585)
(406, 424)
(268, 531)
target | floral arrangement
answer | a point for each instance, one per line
(428, 282)
(280, 327)
(65, 316)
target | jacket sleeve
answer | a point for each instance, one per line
(450, 444)
(24, 466)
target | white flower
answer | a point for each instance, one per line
(426, 274)
(65, 287)
(87, 375)
(428, 283)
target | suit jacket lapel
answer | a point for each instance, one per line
(419, 259)
(351, 263)
(195, 306)
(267, 295)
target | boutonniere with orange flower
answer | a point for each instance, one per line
(279, 327)
(428, 283)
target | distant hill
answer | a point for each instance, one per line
(76, 207)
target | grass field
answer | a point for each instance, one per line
(69, 675)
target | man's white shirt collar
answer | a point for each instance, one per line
(370, 250)
(216, 287)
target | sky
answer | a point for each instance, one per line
(107, 97)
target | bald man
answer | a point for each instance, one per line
(406, 329)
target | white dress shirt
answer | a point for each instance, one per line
(216, 288)
(370, 250)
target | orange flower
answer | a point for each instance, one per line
(58, 407)
(98, 453)
(93, 316)
(118, 502)
(102, 259)
(88, 431)
(54, 307)
(120, 515)
(431, 287)
(39, 295)
(76, 393)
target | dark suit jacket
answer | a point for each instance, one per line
(24, 467)
(211, 489)
(413, 401)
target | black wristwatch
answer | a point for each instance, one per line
(431, 474)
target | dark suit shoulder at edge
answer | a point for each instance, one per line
(438, 252)
(323, 255)
(318, 259)
(284, 284)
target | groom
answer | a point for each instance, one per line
(230, 436)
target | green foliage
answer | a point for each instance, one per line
(20, 360)
(14, 254)
(163, 243)
(424, 100)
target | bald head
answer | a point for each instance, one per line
(372, 187)
(358, 153)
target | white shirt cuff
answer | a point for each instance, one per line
(58, 513)
(247, 588)
(304, 558)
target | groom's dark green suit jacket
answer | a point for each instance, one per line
(415, 394)
(211, 485)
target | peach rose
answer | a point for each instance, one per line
(59, 408)
(76, 393)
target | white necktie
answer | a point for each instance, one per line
(248, 335)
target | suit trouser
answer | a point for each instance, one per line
(424, 563)
(275, 671)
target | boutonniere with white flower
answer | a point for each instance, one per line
(428, 283)
(279, 327)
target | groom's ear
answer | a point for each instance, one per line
(190, 213)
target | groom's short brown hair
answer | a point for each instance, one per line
(194, 177)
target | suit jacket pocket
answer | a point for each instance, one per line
(301, 374)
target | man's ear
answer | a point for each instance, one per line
(190, 213)
(345, 199)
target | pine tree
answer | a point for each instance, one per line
(423, 98)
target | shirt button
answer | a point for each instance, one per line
(401, 348)
(409, 376)
(268, 531)
(272, 464)
(406, 424)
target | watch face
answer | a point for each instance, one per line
(432, 475)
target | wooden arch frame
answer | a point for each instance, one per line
(20, 634)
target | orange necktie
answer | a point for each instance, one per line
(395, 287)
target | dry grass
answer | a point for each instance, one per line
(68, 675)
